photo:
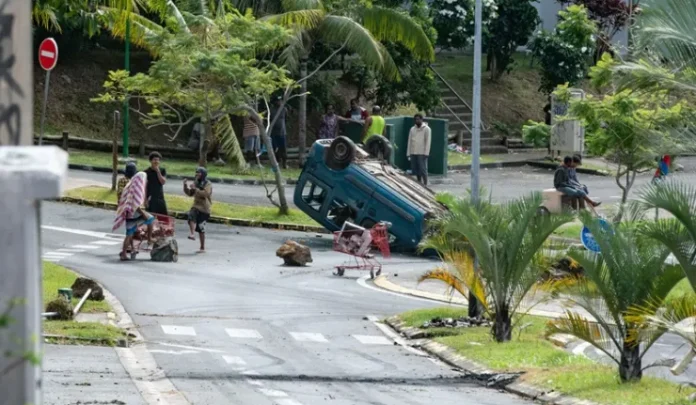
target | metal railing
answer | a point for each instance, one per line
(471, 110)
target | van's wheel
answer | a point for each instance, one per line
(341, 153)
(379, 147)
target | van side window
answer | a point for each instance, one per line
(313, 195)
(340, 212)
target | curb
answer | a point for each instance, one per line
(495, 165)
(213, 219)
(582, 170)
(488, 378)
(218, 180)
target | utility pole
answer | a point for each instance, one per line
(474, 305)
(125, 103)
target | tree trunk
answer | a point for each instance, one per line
(302, 134)
(489, 61)
(283, 209)
(630, 367)
(502, 326)
(203, 145)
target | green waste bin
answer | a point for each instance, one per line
(66, 292)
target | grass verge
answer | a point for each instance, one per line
(55, 277)
(183, 204)
(549, 367)
(570, 231)
(457, 159)
(179, 167)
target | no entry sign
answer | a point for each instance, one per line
(48, 54)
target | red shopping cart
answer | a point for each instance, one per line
(358, 242)
(163, 227)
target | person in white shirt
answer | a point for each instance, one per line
(418, 148)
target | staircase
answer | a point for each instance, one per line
(459, 114)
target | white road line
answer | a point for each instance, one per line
(71, 250)
(174, 352)
(85, 247)
(309, 337)
(243, 333)
(395, 336)
(107, 242)
(59, 254)
(255, 382)
(51, 259)
(272, 393)
(250, 372)
(200, 349)
(372, 340)
(234, 360)
(579, 350)
(178, 330)
(287, 401)
(100, 235)
(362, 281)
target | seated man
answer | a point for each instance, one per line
(561, 182)
(573, 174)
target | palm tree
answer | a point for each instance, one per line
(357, 29)
(630, 272)
(678, 234)
(507, 240)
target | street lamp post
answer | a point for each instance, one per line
(125, 103)
(474, 306)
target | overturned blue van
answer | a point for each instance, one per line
(340, 182)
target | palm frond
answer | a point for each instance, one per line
(387, 24)
(294, 5)
(305, 19)
(142, 29)
(575, 325)
(224, 131)
(293, 52)
(44, 14)
(666, 27)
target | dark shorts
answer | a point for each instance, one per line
(572, 192)
(278, 141)
(133, 224)
(199, 218)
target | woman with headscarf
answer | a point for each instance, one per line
(131, 213)
(201, 191)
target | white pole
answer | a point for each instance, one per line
(474, 307)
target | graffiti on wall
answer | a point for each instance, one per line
(14, 69)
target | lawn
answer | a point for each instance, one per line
(547, 366)
(183, 204)
(178, 166)
(457, 159)
(55, 277)
(570, 231)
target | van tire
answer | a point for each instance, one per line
(341, 153)
(379, 147)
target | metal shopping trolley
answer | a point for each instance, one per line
(358, 242)
(163, 227)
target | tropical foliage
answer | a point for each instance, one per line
(630, 272)
(454, 21)
(536, 133)
(511, 28)
(507, 240)
(563, 54)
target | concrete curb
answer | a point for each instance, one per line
(495, 165)
(213, 219)
(505, 381)
(582, 170)
(218, 180)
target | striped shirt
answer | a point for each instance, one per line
(250, 128)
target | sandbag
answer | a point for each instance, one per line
(165, 250)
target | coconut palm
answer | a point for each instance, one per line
(356, 27)
(507, 240)
(630, 272)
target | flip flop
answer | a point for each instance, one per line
(191, 237)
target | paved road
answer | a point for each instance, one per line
(503, 183)
(234, 327)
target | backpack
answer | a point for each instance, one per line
(165, 250)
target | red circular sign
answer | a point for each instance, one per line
(48, 54)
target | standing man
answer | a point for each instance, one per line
(156, 177)
(201, 191)
(252, 143)
(374, 125)
(418, 148)
(278, 133)
(356, 113)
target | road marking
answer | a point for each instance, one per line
(51, 259)
(178, 330)
(579, 350)
(71, 250)
(200, 349)
(309, 337)
(272, 393)
(395, 336)
(237, 361)
(243, 333)
(107, 242)
(174, 352)
(85, 247)
(362, 281)
(287, 401)
(255, 382)
(250, 372)
(54, 253)
(100, 235)
(372, 340)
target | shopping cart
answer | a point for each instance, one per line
(357, 242)
(163, 227)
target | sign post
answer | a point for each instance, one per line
(48, 58)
